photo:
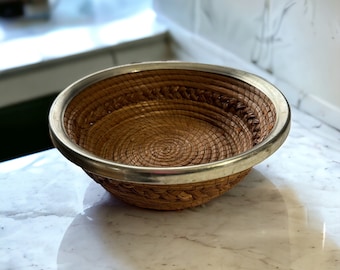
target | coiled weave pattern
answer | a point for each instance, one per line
(169, 118)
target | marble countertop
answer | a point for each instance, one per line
(284, 215)
(75, 28)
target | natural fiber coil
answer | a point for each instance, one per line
(169, 118)
(169, 197)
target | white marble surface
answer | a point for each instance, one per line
(296, 41)
(76, 27)
(284, 215)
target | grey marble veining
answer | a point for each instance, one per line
(296, 41)
(284, 215)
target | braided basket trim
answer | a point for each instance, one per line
(169, 197)
(169, 118)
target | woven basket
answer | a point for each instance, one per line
(167, 118)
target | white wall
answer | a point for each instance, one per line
(298, 42)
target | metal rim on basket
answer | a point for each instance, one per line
(169, 175)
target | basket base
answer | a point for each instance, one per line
(169, 197)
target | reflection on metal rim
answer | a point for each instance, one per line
(169, 175)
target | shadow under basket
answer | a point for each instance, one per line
(132, 128)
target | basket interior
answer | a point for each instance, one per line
(169, 117)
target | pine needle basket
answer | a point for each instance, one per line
(169, 135)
